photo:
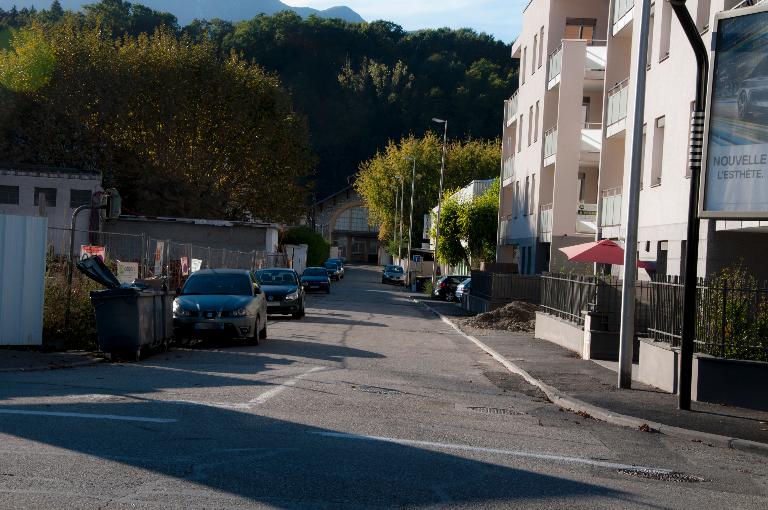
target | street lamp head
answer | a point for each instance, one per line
(439, 121)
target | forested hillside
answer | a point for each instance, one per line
(358, 84)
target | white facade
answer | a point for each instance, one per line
(591, 162)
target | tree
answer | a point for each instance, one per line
(318, 248)
(177, 129)
(378, 178)
(120, 17)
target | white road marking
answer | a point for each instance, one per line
(267, 395)
(113, 417)
(497, 451)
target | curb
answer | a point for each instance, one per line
(574, 405)
(74, 364)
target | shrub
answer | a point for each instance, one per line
(318, 248)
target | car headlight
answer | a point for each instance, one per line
(240, 312)
(178, 311)
(292, 296)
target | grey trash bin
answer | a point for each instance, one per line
(129, 319)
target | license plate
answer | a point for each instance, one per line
(208, 325)
(271, 304)
(314, 286)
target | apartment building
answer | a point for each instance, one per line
(568, 137)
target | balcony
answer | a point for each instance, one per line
(594, 65)
(545, 223)
(622, 14)
(586, 219)
(504, 223)
(550, 146)
(610, 212)
(555, 63)
(508, 172)
(510, 110)
(591, 142)
(616, 117)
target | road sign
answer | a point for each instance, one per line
(735, 176)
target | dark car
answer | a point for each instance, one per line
(334, 270)
(316, 279)
(221, 303)
(463, 289)
(445, 288)
(282, 290)
(393, 274)
(753, 93)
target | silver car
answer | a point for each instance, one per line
(221, 303)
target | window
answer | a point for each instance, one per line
(541, 46)
(666, 29)
(533, 194)
(520, 133)
(658, 152)
(50, 196)
(536, 123)
(9, 195)
(516, 201)
(702, 15)
(354, 220)
(522, 66)
(525, 196)
(582, 178)
(535, 47)
(580, 28)
(523, 261)
(642, 158)
(78, 197)
(530, 124)
(651, 23)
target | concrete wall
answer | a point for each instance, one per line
(561, 332)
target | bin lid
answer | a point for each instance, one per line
(95, 269)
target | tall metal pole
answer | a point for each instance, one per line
(627, 331)
(694, 165)
(410, 222)
(394, 217)
(400, 243)
(439, 197)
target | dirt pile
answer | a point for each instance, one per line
(516, 316)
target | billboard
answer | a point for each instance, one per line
(735, 172)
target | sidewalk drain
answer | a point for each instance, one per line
(664, 477)
(495, 410)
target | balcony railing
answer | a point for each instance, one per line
(504, 222)
(508, 172)
(550, 142)
(555, 63)
(618, 98)
(510, 109)
(586, 218)
(621, 8)
(545, 219)
(610, 212)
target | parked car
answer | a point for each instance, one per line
(393, 274)
(282, 290)
(753, 92)
(335, 270)
(220, 303)
(445, 288)
(463, 289)
(316, 279)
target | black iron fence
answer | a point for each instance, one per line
(568, 296)
(731, 318)
(502, 288)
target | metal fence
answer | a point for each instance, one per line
(568, 296)
(731, 317)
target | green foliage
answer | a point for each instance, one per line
(378, 180)
(82, 318)
(733, 316)
(468, 230)
(173, 126)
(28, 64)
(318, 248)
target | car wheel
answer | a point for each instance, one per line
(327, 290)
(296, 315)
(743, 105)
(263, 332)
(449, 297)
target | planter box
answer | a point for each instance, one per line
(730, 382)
(658, 365)
(561, 332)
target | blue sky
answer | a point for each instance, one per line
(501, 18)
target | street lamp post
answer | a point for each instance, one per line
(394, 216)
(440, 195)
(400, 243)
(410, 221)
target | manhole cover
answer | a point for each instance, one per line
(378, 391)
(494, 410)
(671, 476)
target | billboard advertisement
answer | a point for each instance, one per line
(735, 173)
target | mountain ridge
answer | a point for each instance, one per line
(188, 10)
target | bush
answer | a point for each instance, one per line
(82, 334)
(318, 248)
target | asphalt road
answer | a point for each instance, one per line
(368, 402)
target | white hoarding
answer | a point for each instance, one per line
(735, 174)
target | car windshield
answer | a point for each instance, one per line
(316, 271)
(331, 265)
(276, 277)
(394, 269)
(218, 284)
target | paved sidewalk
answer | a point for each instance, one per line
(26, 360)
(594, 384)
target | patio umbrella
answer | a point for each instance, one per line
(602, 252)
